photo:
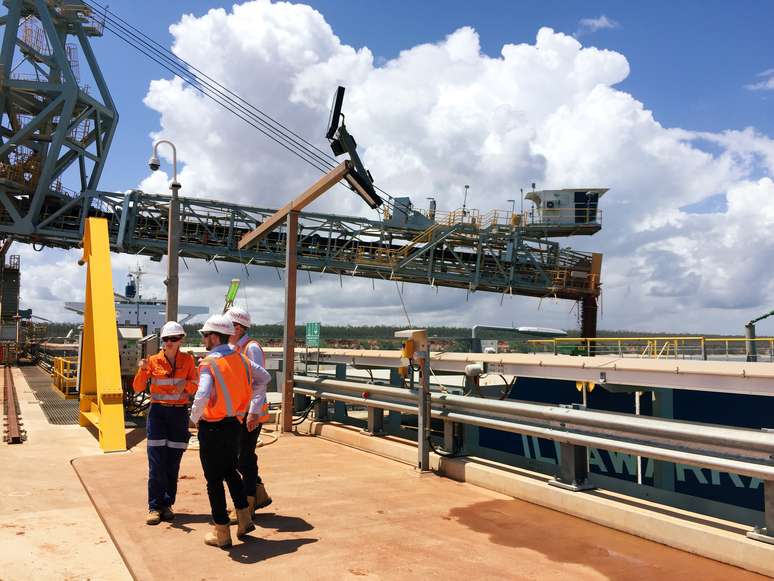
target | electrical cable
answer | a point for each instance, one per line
(456, 453)
(148, 41)
(218, 93)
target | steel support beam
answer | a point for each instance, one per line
(289, 336)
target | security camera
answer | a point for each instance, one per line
(154, 163)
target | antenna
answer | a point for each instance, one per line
(465, 200)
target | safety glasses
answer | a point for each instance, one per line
(173, 339)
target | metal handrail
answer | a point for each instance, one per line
(735, 450)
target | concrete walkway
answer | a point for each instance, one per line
(340, 513)
(49, 528)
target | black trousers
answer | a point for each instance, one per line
(248, 460)
(219, 454)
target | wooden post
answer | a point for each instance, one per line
(289, 336)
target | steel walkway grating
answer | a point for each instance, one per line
(58, 411)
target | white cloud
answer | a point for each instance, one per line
(591, 25)
(766, 82)
(443, 114)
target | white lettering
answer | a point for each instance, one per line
(538, 455)
(621, 461)
(698, 473)
(596, 460)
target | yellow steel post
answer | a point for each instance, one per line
(101, 391)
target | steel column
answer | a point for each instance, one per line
(424, 416)
(375, 421)
(289, 335)
(173, 252)
(766, 532)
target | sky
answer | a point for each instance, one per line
(668, 104)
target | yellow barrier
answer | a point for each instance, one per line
(102, 396)
(64, 376)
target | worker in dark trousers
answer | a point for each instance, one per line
(230, 392)
(255, 490)
(172, 378)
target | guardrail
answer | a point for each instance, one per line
(687, 347)
(64, 376)
(727, 449)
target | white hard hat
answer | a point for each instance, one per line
(218, 324)
(171, 329)
(239, 316)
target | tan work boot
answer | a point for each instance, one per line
(262, 498)
(154, 517)
(221, 537)
(251, 506)
(245, 523)
(232, 516)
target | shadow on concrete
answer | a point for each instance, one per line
(254, 550)
(134, 437)
(277, 522)
(282, 523)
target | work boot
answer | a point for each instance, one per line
(154, 517)
(262, 498)
(220, 537)
(245, 523)
(167, 514)
(232, 516)
(251, 506)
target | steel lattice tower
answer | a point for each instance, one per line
(50, 121)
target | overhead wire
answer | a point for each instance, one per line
(218, 93)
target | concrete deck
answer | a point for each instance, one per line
(340, 513)
(49, 528)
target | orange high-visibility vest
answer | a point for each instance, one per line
(167, 386)
(232, 382)
(264, 413)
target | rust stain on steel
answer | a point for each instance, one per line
(14, 435)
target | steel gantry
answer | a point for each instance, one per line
(51, 124)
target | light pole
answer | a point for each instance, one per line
(465, 200)
(173, 231)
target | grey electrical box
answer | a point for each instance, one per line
(129, 349)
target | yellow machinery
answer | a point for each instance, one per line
(101, 391)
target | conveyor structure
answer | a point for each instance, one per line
(53, 127)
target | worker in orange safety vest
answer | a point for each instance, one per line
(172, 379)
(231, 390)
(240, 341)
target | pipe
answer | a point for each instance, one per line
(679, 431)
(762, 471)
(316, 383)
(396, 407)
(684, 432)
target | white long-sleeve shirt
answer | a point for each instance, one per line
(253, 352)
(205, 391)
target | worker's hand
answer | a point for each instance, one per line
(141, 364)
(252, 422)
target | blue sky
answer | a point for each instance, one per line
(690, 61)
